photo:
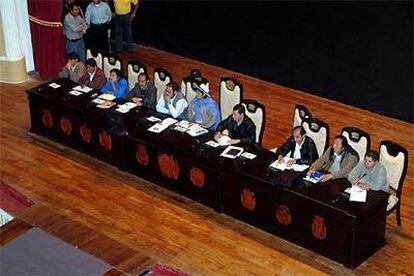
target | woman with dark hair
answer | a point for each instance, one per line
(116, 85)
(338, 160)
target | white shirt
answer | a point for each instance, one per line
(91, 75)
(296, 154)
(171, 110)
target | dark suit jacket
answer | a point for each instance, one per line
(308, 151)
(98, 81)
(149, 95)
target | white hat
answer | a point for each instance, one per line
(203, 88)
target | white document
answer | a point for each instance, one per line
(248, 155)
(195, 130)
(212, 143)
(98, 101)
(357, 194)
(299, 168)
(75, 93)
(312, 179)
(157, 128)
(168, 121)
(54, 85)
(85, 89)
(224, 140)
(126, 107)
(184, 124)
(153, 119)
(107, 97)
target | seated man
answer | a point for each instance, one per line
(94, 76)
(370, 174)
(144, 92)
(301, 147)
(194, 77)
(338, 160)
(116, 85)
(173, 102)
(238, 126)
(74, 69)
(203, 109)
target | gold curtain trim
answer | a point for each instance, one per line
(44, 22)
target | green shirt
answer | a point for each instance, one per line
(375, 178)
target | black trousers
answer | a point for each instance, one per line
(97, 37)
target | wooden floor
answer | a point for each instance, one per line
(132, 224)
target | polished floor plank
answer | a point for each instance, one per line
(13, 229)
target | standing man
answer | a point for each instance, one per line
(75, 27)
(123, 21)
(98, 16)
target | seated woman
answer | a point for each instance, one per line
(173, 102)
(116, 85)
(203, 109)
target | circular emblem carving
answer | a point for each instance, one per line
(85, 133)
(168, 166)
(66, 125)
(248, 199)
(142, 155)
(47, 118)
(319, 228)
(197, 177)
(283, 215)
(105, 140)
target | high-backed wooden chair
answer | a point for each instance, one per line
(256, 112)
(395, 159)
(161, 78)
(230, 93)
(96, 56)
(319, 132)
(358, 139)
(134, 68)
(110, 63)
(299, 114)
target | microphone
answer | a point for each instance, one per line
(356, 183)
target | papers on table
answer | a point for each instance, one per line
(126, 107)
(105, 105)
(283, 165)
(168, 121)
(232, 152)
(212, 143)
(157, 128)
(357, 194)
(224, 140)
(196, 130)
(85, 89)
(107, 97)
(54, 85)
(315, 177)
(98, 101)
(153, 119)
(75, 93)
(248, 155)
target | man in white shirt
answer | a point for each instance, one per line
(173, 103)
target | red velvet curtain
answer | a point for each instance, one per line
(48, 41)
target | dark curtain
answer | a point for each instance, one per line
(47, 41)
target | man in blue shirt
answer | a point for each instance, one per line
(116, 85)
(98, 16)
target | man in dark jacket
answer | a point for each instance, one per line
(238, 126)
(301, 147)
(144, 92)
